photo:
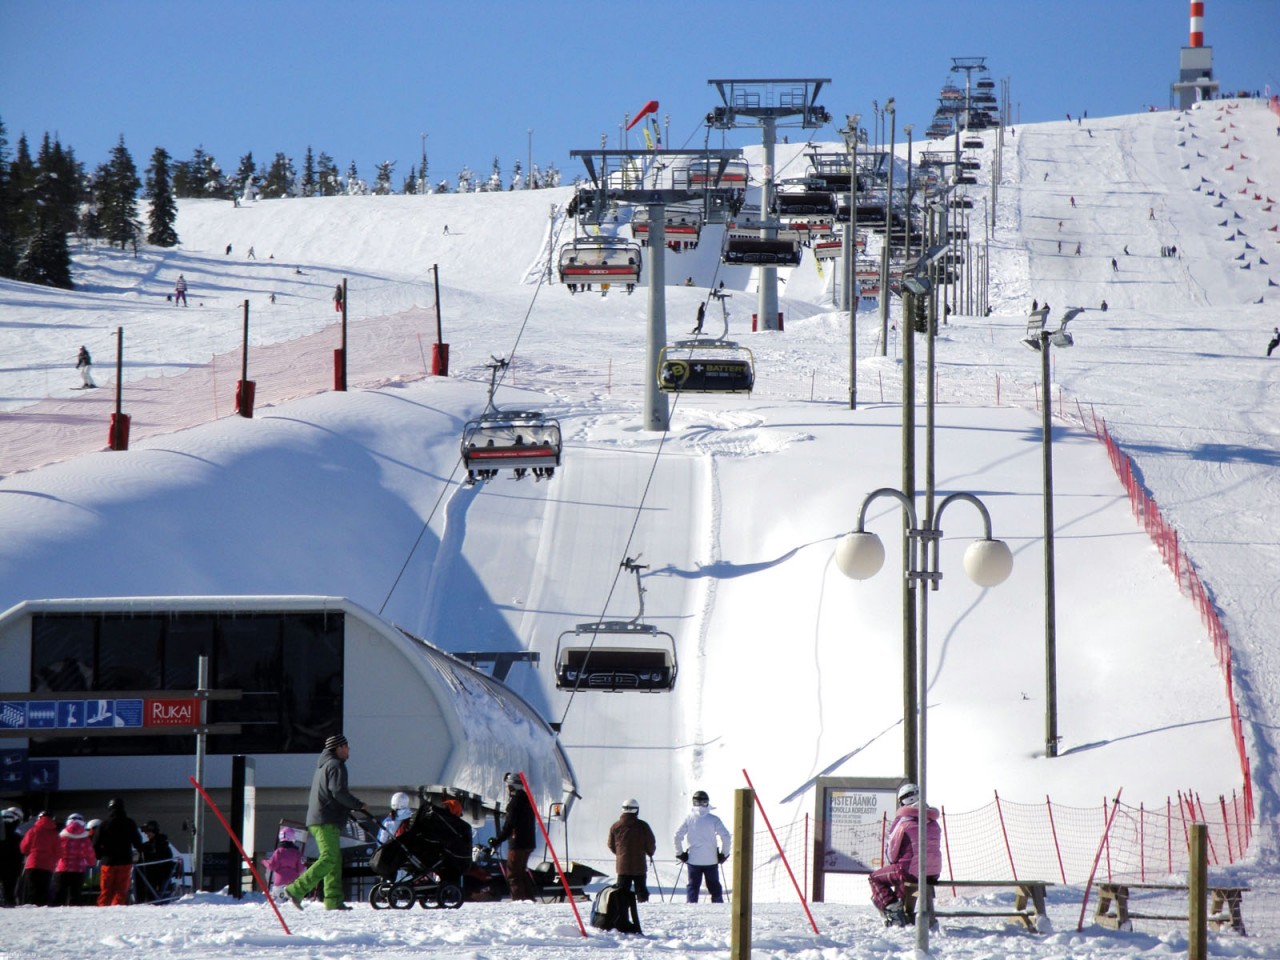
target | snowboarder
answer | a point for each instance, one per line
(1126, 250)
(180, 290)
(446, 229)
(702, 312)
(1275, 341)
(83, 363)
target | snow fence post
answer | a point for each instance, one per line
(743, 860)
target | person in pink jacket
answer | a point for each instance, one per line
(41, 847)
(76, 860)
(286, 862)
(901, 859)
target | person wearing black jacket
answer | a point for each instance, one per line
(520, 830)
(158, 862)
(115, 844)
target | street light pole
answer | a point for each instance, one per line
(528, 173)
(988, 563)
(851, 254)
(888, 228)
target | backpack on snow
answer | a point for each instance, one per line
(613, 908)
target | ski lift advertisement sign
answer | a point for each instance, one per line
(853, 815)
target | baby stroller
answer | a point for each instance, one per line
(423, 863)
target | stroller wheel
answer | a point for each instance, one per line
(450, 896)
(379, 895)
(401, 897)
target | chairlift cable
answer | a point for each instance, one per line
(626, 553)
(449, 484)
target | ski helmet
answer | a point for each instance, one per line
(400, 801)
(631, 806)
(287, 835)
(11, 815)
(93, 824)
(700, 799)
(512, 780)
(76, 817)
(908, 793)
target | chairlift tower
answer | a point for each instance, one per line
(966, 65)
(654, 179)
(768, 104)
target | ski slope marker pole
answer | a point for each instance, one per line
(554, 856)
(236, 840)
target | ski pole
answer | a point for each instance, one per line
(675, 884)
(656, 876)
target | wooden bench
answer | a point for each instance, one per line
(1113, 905)
(1028, 901)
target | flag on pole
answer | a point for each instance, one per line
(647, 109)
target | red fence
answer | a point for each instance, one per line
(1165, 537)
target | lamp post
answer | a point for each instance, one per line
(888, 229)
(988, 563)
(1048, 338)
(850, 134)
(528, 173)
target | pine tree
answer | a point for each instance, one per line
(330, 180)
(280, 179)
(117, 197)
(355, 186)
(44, 258)
(494, 183)
(163, 209)
(8, 228)
(22, 182)
(309, 175)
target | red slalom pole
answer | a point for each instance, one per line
(236, 840)
(568, 895)
(781, 852)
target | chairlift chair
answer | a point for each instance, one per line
(973, 143)
(756, 251)
(702, 173)
(617, 655)
(828, 249)
(587, 261)
(519, 440)
(706, 366)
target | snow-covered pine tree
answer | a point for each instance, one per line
(494, 183)
(517, 177)
(464, 179)
(330, 180)
(164, 211)
(382, 182)
(246, 180)
(55, 186)
(355, 186)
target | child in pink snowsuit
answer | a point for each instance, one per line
(286, 862)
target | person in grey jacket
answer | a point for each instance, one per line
(328, 808)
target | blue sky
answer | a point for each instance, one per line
(363, 81)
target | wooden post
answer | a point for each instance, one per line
(1197, 881)
(740, 907)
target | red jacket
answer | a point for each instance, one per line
(41, 845)
(77, 849)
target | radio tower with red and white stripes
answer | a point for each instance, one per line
(1195, 74)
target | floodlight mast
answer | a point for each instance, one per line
(765, 103)
(611, 182)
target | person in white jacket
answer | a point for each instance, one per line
(702, 843)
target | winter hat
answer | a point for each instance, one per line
(512, 780)
(336, 741)
(75, 828)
